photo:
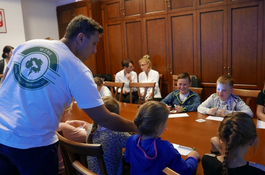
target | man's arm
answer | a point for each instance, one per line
(110, 120)
(260, 112)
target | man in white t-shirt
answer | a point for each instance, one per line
(126, 76)
(41, 80)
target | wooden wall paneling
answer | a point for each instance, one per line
(113, 10)
(133, 35)
(245, 43)
(176, 5)
(151, 7)
(131, 8)
(212, 43)
(156, 44)
(183, 42)
(241, 1)
(202, 4)
(114, 46)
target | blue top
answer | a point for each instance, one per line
(190, 104)
(151, 156)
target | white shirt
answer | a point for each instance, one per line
(121, 77)
(43, 78)
(153, 76)
(104, 91)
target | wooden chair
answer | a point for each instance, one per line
(249, 94)
(168, 171)
(72, 151)
(82, 169)
(112, 85)
(175, 80)
(141, 99)
(160, 81)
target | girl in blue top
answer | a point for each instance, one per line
(147, 153)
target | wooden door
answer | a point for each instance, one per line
(153, 7)
(134, 42)
(113, 10)
(156, 44)
(131, 8)
(114, 46)
(183, 43)
(212, 44)
(245, 44)
(177, 6)
(67, 12)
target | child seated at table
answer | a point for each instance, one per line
(183, 99)
(237, 133)
(260, 101)
(103, 90)
(223, 101)
(147, 153)
(111, 141)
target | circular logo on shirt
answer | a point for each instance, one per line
(37, 68)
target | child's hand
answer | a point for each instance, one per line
(222, 112)
(213, 111)
(194, 154)
(178, 108)
(124, 91)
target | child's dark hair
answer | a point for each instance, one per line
(6, 50)
(150, 115)
(184, 75)
(98, 81)
(237, 129)
(112, 105)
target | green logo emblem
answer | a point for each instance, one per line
(38, 68)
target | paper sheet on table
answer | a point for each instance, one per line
(178, 115)
(260, 124)
(215, 118)
(183, 150)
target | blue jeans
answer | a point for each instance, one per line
(32, 161)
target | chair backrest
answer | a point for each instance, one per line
(112, 86)
(72, 151)
(197, 90)
(175, 80)
(82, 169)
(168, 171)
(249, 94)
(141, 99)
(160, 81)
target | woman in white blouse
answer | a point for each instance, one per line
(149, 75)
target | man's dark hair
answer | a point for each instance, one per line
(126, 62)
(82, 24)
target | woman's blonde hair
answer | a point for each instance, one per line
(146, 59)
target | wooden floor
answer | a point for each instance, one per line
(187, 132)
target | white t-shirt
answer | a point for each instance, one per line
(43, 78)
(121, 77)
(153, 76)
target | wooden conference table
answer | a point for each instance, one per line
(186, 131)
